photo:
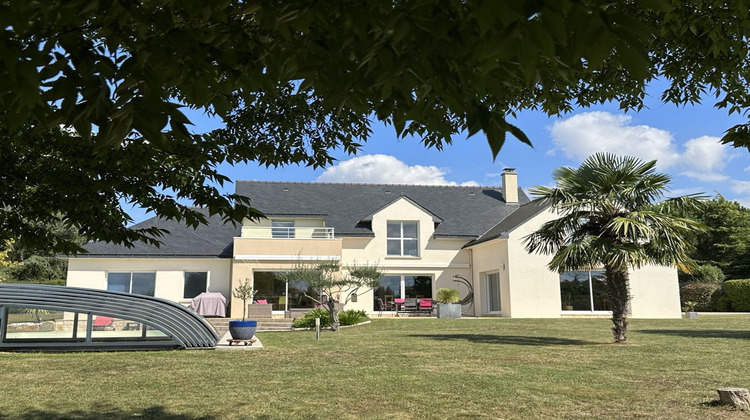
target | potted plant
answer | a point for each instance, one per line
(447, 306)
(567, 302)
(690, 309)
(243, 330)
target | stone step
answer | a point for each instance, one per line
(221, 325)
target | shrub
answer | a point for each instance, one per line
(352, 317)
(308, 320)
(448, 295)
(738, 292)
(720, 301)
(704, 274)
(700, 293)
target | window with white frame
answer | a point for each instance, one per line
(196, 282)
(283, 229)
(402, 239)
(131, 282)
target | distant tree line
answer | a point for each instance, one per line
(722, 253)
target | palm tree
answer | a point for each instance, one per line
(611, 216)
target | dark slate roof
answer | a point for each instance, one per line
(214, 240)
(515, 219)
(461, 211)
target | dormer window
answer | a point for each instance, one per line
(282, 229)
(403, 239)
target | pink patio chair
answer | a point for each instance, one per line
(425, 304)
(102, 323)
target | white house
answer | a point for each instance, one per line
(421, 236)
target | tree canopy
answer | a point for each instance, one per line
(293, 80)
(726, 242)
(611, 215)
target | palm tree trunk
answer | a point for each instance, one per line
(617, 292)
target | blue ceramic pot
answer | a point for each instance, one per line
(242, 330)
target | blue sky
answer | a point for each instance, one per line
(684, 140)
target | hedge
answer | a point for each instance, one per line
(699, 293)
(738, 292)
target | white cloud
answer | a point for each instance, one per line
(585, 134)
(705, 154)
(740, 187)
(706, 176)
(747, 169)
(386, 169)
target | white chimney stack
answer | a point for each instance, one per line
(510, 185)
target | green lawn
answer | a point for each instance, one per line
(403, 368)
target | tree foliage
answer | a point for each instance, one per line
(726, 242)
(334, 289)
(19, 264)
(611, 216)
(293, 80)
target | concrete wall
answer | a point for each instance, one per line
(534, 289)
(655, 293)
(170, 278)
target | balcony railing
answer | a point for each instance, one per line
(288, 232)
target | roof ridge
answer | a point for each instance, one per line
(371, 183)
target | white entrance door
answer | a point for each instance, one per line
(493, 292)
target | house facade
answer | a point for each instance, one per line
(420, 236)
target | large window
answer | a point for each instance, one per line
(394, 287)
(584, 291)
(403, 239)
(138, 283)
(196, 282)
(283, 229)
(280, 295)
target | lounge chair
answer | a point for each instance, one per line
(102, 323)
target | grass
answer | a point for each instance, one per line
(405, 368)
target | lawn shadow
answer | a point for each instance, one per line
(740, 335)
(517, 340)
(156, 412)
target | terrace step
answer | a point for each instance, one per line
(221, 325)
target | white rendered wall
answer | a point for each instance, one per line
(439, 258)
(655, 293)
(170, 278)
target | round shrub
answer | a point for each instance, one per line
(352, 317)
(308, 319)
(704, 274)
(700, 293)
(720, 301)
(738, 292)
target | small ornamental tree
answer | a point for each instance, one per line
(339, 289)
(245, 292)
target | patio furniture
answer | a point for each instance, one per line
(425, 305)
(210, 304)
(259, 310)
(262, 301)
(409, 305)
(102, 323)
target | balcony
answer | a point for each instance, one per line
(266, 232)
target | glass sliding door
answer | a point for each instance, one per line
(584, 291)
(493, 292)
(389, 289)
(271, 289)
(418, 286)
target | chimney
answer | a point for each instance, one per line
(510, 185)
